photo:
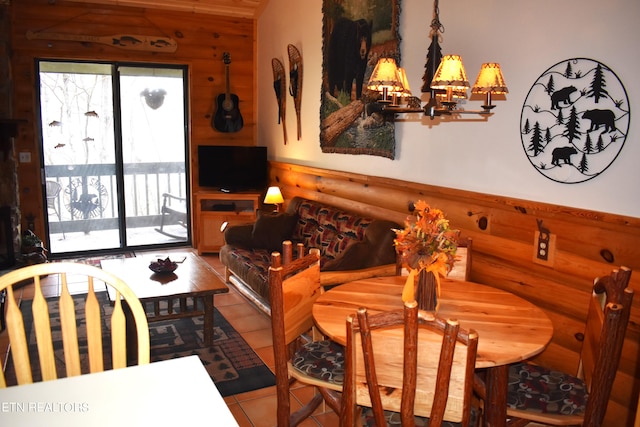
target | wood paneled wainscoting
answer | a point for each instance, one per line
(583, 244)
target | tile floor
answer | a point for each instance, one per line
(256, 408)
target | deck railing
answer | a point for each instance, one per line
(86, 197)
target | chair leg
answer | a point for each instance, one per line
(332, 397)
(306, 411)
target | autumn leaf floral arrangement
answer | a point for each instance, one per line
(427, 244)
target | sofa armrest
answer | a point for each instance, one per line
(332, 278)
(239, 235)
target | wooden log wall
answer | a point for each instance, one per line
(201, 39)
(585, 244)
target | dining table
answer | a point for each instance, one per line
(166, 393)
(510, 328)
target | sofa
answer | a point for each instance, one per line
(351, 246)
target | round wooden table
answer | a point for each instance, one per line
(510, 329)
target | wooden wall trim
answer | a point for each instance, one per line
(504, 231)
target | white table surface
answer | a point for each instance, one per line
(168, 393)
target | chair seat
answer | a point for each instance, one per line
(322, 360)
(539, 389)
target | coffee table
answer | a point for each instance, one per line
(193, 279)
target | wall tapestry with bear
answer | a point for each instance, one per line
(575, 120)
(356, 33)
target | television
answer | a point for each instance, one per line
(231, 168)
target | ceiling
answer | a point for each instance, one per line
(235, 8)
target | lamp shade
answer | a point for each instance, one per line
(273, 196)
(406, 91)
(450, 74)
(385, 76)
(490, 79)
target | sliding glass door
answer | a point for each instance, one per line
(114, 152)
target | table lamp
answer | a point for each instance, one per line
(274, 197)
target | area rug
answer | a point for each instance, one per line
(231, 363)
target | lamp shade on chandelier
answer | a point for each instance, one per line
(448, 83)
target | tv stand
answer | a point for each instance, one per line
(215, 208)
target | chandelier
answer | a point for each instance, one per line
(446, 82)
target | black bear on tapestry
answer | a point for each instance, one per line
(348, 54)
(573, 133)
(355, 34)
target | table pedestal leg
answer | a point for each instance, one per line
(496, 404)
(208, 320)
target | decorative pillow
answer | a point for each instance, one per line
(323, 360)
(352, 258)
(271, 229)
(538, 389)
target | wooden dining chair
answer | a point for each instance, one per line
(408, 365)
(462, 266)
(294, 285)
(581, 399)
(63, 274)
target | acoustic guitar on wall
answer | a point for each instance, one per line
(227, 117)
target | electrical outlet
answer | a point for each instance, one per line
(544, 247)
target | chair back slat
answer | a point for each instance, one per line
(69, 329)
(94, 330)
(118, 334)
(301, 291)
(42, 328)
(18, 340)
(593, 333)
(410, 359)
(60, 272)
(414, 370)
(444, 377)
(294, 294)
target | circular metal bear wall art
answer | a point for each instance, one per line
(575, 120)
